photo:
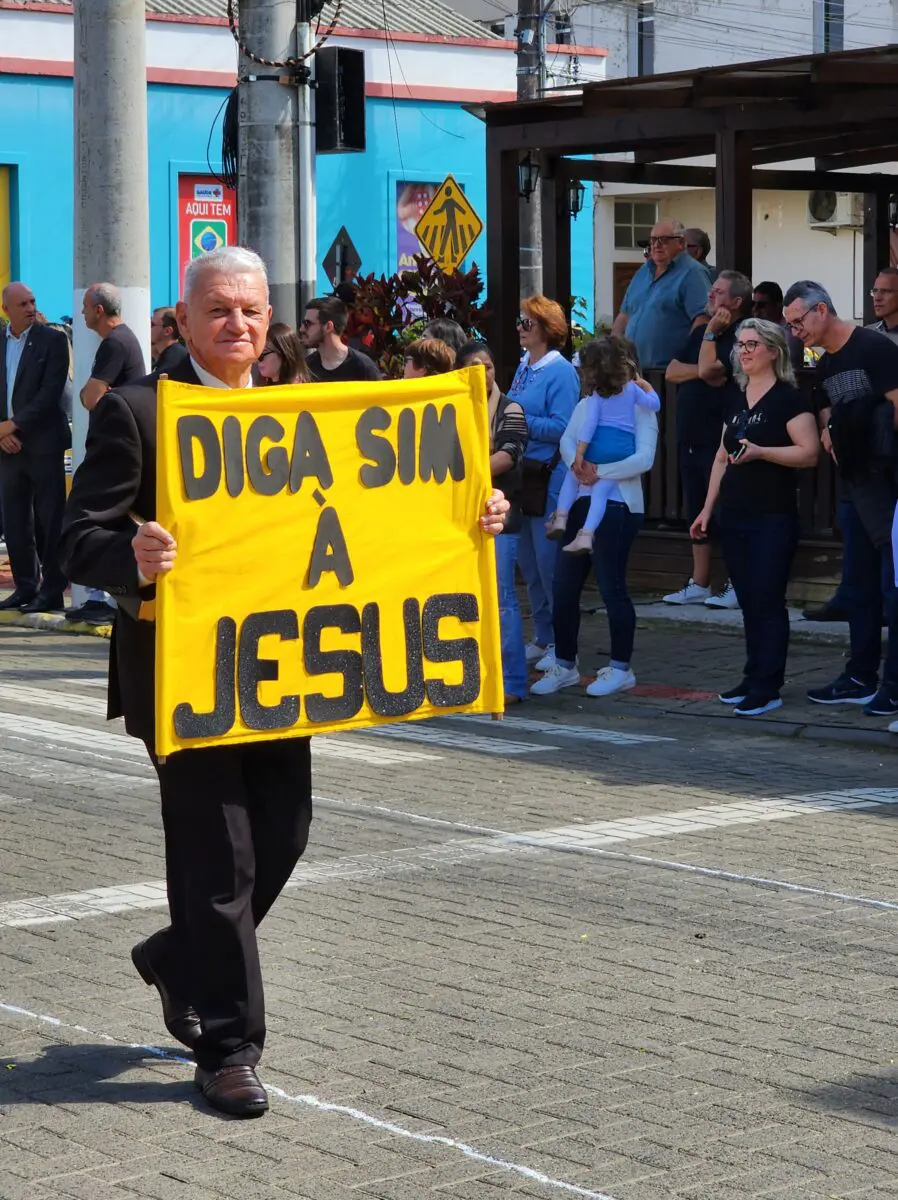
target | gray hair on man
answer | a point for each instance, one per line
(810, 293)
(108, 297)
(228, 260)
(740, 288)
(774, 338)
(677, 228)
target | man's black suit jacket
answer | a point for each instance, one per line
(36, 403)
(118, 476)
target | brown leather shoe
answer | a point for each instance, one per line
(233, 1090)
(181, 1019)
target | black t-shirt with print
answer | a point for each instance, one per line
(119, 358)
(867, 365)
(759, 486)
(700, 407)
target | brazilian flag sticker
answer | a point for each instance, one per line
(206, 236)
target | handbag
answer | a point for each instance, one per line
(535, 478)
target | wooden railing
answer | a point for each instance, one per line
(664, 501)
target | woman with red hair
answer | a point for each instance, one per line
(547, 387)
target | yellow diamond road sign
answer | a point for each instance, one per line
(449, 227)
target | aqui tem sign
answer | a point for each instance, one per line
(449, 226)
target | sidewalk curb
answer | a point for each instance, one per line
(54, 623)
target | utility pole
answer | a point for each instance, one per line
(306, 208)
(530, 71)
(267, 147)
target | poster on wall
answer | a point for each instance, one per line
(5, 230)
(207, 219)
(412, 200)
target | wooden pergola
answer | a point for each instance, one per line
(839, 109)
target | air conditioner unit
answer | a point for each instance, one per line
(835, 210)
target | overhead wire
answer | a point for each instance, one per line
(383, 5)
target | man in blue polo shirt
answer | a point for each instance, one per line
(665, 297)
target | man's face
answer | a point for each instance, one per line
(311, 330)
(885, 298)
(90, 312)
(665, 244)
(807, 322)
(766, 308)
(720, 297)
(19, 307)
(694, 249)
(159, 335)
(225, 321)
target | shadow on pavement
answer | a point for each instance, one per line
(876, 1095)
(87, 1074)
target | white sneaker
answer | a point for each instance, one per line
(893, 727)
(610, 680)
(556, 678)
(547, 660)
(533, 652)
(725, 598)
(692, 593)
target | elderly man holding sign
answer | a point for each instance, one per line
(227, 726)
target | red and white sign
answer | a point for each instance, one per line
(207, 218)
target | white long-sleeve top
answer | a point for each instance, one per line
(628, 472)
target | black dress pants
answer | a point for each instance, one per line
(236, 821)
(33, 485)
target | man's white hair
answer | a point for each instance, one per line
(229, 260)
(677, 227)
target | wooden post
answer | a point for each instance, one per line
(556, 231)
(502, 248)
(734, 202)
(876, 245)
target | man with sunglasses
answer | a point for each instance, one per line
(666, 297)
(331, 360)
(857, 364)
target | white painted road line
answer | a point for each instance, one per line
(417, 731)
(99, 743)
(73, 906)
(585, 733)
(307, 1100)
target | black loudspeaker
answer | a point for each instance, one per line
(339, 100)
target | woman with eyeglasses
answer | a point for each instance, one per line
(547, 387)
(769, 432)
(284, 358)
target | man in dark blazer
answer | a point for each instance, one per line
(34, 435)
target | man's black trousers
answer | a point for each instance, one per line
(32, 487)
(236, 821)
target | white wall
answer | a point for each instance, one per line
(784, 247)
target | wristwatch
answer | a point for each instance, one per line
(709, 336)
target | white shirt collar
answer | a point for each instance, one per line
(212, 381)
(23, 336)
(548, 357)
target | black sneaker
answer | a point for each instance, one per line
(93, 612)
(735, 695)
(845, 690)
(756, 703)
(883, 704)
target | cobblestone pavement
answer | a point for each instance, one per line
(605, 949)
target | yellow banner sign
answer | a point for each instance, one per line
(331, 570)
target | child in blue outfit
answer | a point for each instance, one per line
(607, 432)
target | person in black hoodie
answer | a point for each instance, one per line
(858, 376)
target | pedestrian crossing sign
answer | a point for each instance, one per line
(449, 226)
(206, 236)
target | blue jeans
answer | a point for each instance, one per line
(610, 552)
(758, 549)
(868, 583)
(511, 626)
(536, 558)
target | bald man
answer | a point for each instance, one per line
(34, 435)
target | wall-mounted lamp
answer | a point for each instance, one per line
(576, 194)
(528, 177)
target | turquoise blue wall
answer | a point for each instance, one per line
(412, 140)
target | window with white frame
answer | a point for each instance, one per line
(633, 221)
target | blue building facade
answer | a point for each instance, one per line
(407, 141)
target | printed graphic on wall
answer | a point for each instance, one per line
(412, 202)
(207, 218)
